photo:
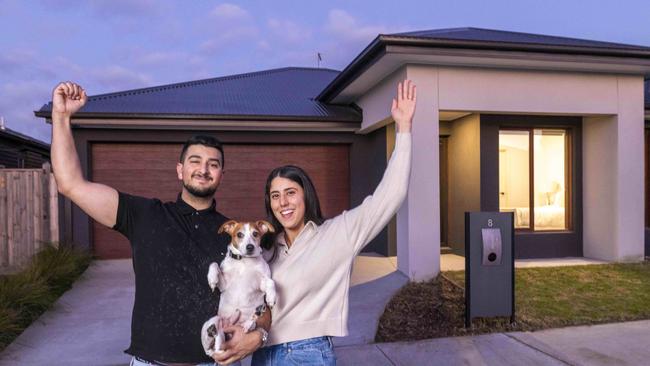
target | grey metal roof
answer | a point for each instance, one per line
(22, 138)
(477, 39)
(499, 36)
(278, 94)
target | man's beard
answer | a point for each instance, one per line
(200, 192)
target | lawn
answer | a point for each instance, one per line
(26, 295)
(544, 298)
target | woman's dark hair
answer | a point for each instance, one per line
(312, 205)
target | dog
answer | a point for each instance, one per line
(244, 279)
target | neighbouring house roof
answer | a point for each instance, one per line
(278, 94)
(477, 39)
(9, 134)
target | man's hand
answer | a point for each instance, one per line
(240, 345)
(403, 107)
(67, 98)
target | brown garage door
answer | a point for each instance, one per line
(149, 170)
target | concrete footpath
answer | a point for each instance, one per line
(90, 325)
(608, 344)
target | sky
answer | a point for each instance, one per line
(115, 45)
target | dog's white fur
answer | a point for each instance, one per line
(244, 283)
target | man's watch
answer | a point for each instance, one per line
(264, 334)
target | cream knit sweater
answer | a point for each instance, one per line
(313, 276)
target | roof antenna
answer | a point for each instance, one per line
(2, 123)
(319, 58)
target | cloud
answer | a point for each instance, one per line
(157, 58)
(229, 36)
(229, 12)
(28, 65)
(288, 31)
(109, 8)
(115, 78)
(345, 27)
(19, 100)
(11, 60)
(347, 37)
(227, 24)
(127, 8)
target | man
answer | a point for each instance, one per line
(172, 243)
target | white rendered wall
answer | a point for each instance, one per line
(418, 220)
(504, 91)
(422, 208)
(377, 101)
(599, 181)
(630, 170)
(613, 186)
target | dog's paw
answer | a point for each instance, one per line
(209, 332)
(213, 275)
(270, 294)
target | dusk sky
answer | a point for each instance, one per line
(114, 45)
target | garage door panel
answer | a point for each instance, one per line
(149, 170)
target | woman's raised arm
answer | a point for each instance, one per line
(365, 221)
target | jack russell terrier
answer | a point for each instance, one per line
(244, 280)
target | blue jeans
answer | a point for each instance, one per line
(135, 362)
(312, 351)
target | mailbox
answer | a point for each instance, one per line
(489, 265)
(491, 239)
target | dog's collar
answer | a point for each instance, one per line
(235, 256)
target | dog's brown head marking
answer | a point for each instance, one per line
(246, 236)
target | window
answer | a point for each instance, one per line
(533, 167)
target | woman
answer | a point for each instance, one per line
(312, 258)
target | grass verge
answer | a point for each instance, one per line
(544, 298)
(26, 295)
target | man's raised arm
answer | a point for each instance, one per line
(97, 200)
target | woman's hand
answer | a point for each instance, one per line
(403, 107)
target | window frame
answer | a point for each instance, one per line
(568, 174)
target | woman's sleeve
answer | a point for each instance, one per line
(365, 221)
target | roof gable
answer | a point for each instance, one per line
(454, 46)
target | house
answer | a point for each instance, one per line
(20, 151)
(549, 128)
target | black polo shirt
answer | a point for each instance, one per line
(173, 245)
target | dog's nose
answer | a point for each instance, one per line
(250, 248)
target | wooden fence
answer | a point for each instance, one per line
(28, 215)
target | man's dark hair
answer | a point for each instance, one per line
(204, 140)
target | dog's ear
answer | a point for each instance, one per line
(227, 226)
(265, 227)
